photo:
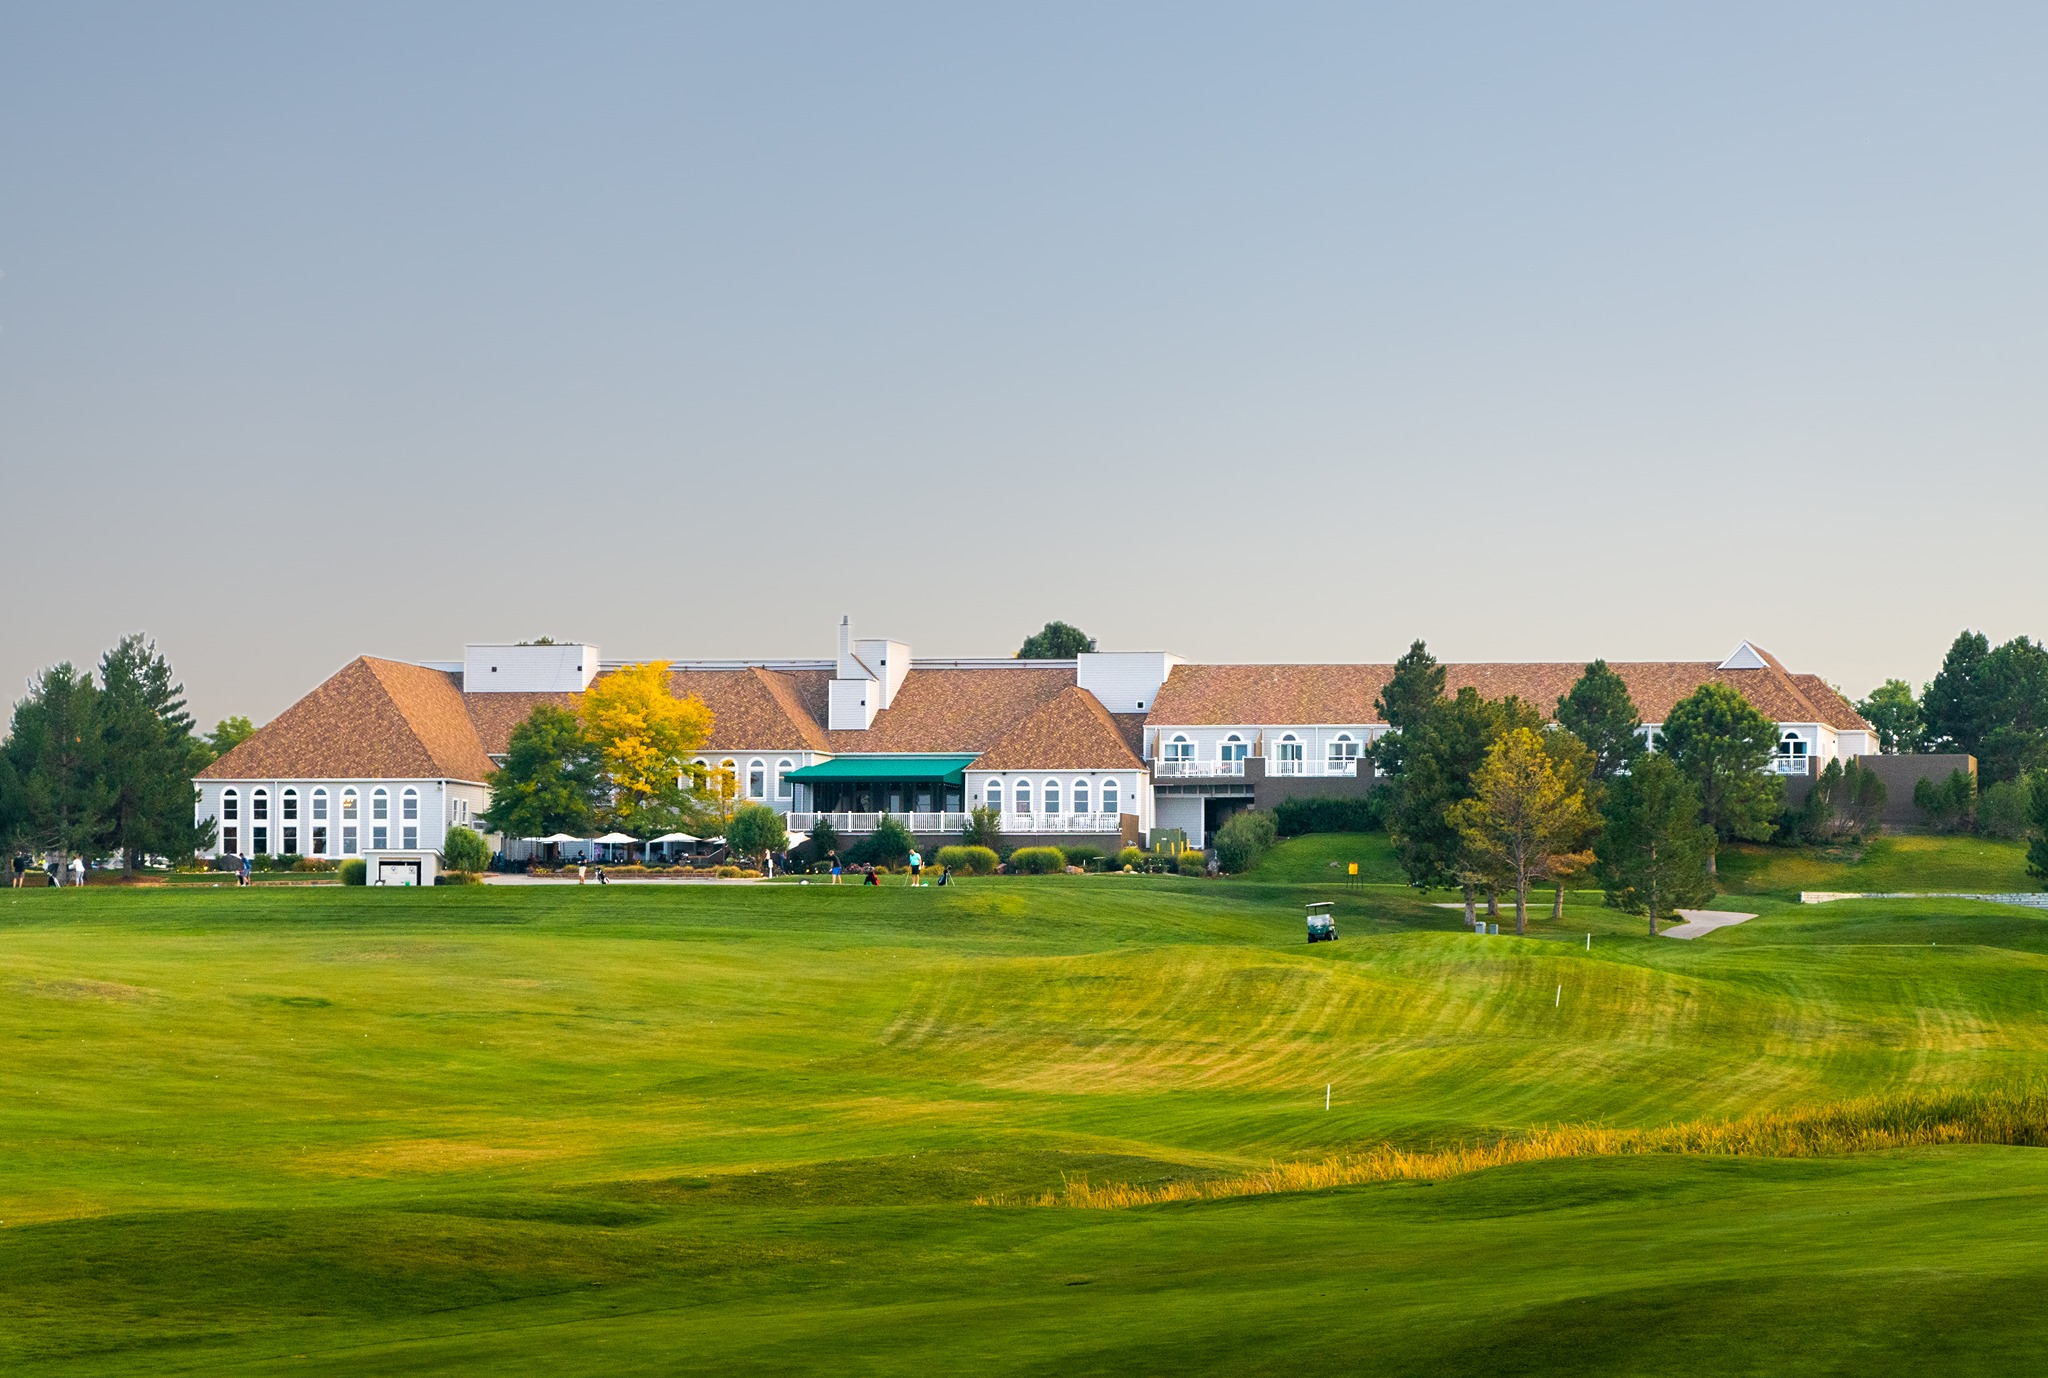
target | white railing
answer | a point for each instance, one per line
(858, 823)
(1195, 770)
(1788, 765)
(1324, 768)
(1061, 823)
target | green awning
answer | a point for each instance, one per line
(944, 770)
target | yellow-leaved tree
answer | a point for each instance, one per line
(645, 736)
(1526, 820)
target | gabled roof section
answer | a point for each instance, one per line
(1748, 657)
(957, 709)
(751, 709)
(1070, 731)
(372, 719)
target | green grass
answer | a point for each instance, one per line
(740, 1129)
(1894, 863)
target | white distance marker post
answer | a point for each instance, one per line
(1589, 942)
(1326, 1095)
(1559, 1002)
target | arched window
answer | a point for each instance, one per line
(1052, 796)
(380, 804)
(1080, 796)
(348, 806)
(230, 806)
(259, 805)
(1023, 796)
(1290, 754)
(320, 805)
(1109, 796)
(782, 785)
(1343, 754)
(757, 779)
(289, 802)
(1180, 748)
(1792, 754)
(995, 795)
(409, 805)
(1233, 749)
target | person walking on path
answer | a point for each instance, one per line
(916, 867)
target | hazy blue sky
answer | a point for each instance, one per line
(1259, 333)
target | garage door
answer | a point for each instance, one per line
(391, 872)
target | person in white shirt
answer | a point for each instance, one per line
(78, 870)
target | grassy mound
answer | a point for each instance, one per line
(1905, 862)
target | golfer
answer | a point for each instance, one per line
(835, 868)
(916, 866)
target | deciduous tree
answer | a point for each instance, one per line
(1895, 714)
(1522, 818)
(1055, 641)
(1443, 753)
(551, 781)
(1723, 745)
(755, 831)
(1652, 856)
(644, 735)
(228, 734)
(464, 849)
(1600, 713)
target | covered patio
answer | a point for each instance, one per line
(925, 791)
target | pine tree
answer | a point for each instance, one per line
(57, 752)
(1652, 856)
(1724, 747)
(1416, 687)
(1600, 713)
(150, 755)
(1953, 703)
(2037, 817)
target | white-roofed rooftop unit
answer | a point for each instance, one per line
(546, 669)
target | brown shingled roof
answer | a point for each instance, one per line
(751, 710)
(1195, 695)
(1070, 731)
(372, 719)
(495, 715)
(956, 710)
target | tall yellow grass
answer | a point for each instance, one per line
(1857, 1126)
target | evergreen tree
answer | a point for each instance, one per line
(1953, 704)
(1600, 713)
(149, 754)
(1652, 857)
(1443, 753)
(58, 756)
(1724, 747)
(551, 779)
(2037, 817)
(1895, 713)
(13, 809)
(1055, 641)
(1416, 687)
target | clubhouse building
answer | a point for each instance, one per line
(385, 756)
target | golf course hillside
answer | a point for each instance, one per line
(1051, 1125)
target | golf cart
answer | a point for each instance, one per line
(1322, 924)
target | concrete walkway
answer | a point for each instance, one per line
(1700, 922)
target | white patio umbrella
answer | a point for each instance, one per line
(555, 838)
(673, 837)
(615, 839)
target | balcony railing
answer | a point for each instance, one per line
(858, 824)
(1195, 770)
(1320, 768)
(1789, 765)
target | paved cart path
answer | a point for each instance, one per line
(1699, 922)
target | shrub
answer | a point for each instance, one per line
(2002, 809)
(968, 861)
(888, 845)
(1082, 855)
(458, 878)
(1844, 805)
(355, 872)
(464, 849)
(312, 863)
(984, 828)
(1038, 861)
(1951, 804)
(729, 873)
(824, 839)
(1294, 817)
(1192, 863)
(1130, 858)
(1243, 839)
